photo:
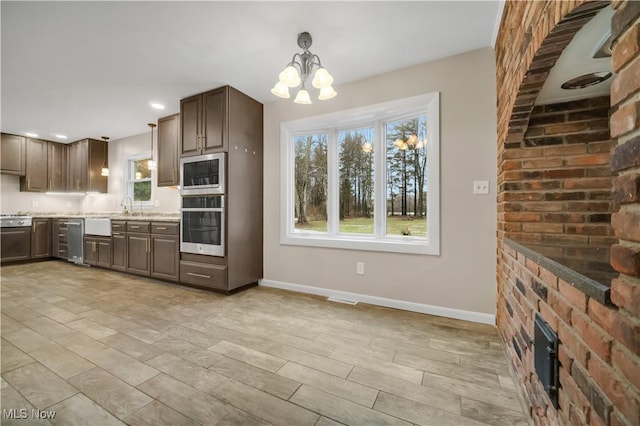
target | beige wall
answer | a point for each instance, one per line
(463, 276)
(14, 201)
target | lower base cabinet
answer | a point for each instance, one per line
(203, 275)
(97, 251)
(138, 254)
(165, 251)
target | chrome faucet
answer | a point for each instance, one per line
(123, 203)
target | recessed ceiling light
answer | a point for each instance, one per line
(31, 135)
(586, 80)
(61, 136)
(156, 105)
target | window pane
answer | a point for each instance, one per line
(406, 176)
(141, 169)
(142, 191)
(356, 181)
(310, 209)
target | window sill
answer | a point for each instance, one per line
(408, 245)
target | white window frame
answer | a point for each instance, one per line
(378, 114)
(130, 179)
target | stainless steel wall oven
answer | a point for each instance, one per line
(203, 174)
(202, 224)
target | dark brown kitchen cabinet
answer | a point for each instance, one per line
(57, 167)
(97, 251)
(35, 178)
(165, 251)
(40, 238)
(118, 245)
(168, 150)
(203, 124)
(85, 160)
(59, 238)
(138, 248)
(13, 154)
(15, 244)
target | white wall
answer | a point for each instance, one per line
(13, 201)
(463, 276)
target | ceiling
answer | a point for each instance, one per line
(87, 69)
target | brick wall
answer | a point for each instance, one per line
(599, 339)
(598, 350)
(556, 192)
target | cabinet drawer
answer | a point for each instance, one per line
(135, 226)
(212, 276)
(120, 226)
(168, 228)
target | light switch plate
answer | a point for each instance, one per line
(480, 186)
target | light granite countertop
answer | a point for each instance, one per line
(151, 216)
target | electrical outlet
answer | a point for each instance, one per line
(156, 203)
(360, 268)
(34, 203)
(480, 186)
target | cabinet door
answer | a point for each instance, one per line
(15, 244)
(90, 251)
(57, 167)
(214, 120)
(138, 258)
(36, 177)
(12, 154)
(168, 143)
(40, 238)
(78, 167)
(119, 251)
(190, 110)
(104, 253)
(165, 253)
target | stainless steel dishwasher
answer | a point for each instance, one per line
(75, 241)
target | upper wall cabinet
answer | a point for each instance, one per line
(168, 150)
(36, 176)
(57, 167)
(204, 123)
(85, 159)
(13, 154)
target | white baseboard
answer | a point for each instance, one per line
(440, 311)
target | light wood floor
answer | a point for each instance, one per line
(104, 348)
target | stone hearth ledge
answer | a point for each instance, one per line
(590, 287)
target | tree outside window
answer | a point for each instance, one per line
(139, 178)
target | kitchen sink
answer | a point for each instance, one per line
(97, 226)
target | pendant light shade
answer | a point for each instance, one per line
(151, 164)
(302, 67)
(105, 162)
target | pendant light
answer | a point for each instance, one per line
(105, 161)
(151, 164)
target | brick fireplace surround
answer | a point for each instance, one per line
(598, 326)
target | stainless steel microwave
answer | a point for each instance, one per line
(203, 174)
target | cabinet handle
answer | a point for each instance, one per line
(175, 175)
(161, 228)
(134, 227)
(193, 274)
(60, 235)
(50, 184)
(28, 183)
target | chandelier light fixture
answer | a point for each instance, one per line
(105, 161)
(296, 74)
(412, 142)
(151, 165)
